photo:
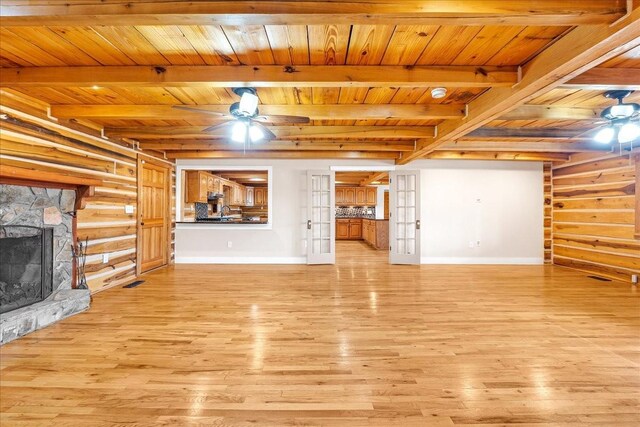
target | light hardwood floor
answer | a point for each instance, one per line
(360, 343)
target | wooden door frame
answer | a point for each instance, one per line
(141, 160)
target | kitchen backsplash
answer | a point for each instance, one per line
(355, 212)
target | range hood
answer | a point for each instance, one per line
(214, 196)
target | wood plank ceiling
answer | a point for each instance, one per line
(364, 80)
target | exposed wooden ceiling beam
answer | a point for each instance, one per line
(492, 155)
(262, 76)
(281, 155)
(551, 112)
(441, 12)
(579, 50)
(317, 145)
(320, 112)
(376, 176)
(524, 146)
(315, 112)
(196, 132)
(530, 133)
(606, 79)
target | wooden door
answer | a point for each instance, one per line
(361, 196)
(154, 215)
(342, 229)
(321, 226)
(372, 196)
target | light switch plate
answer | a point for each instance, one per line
(128, 209)
(105, 258)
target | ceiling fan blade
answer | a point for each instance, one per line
(220, 126)
(282, 119)
(267, 133)
(197, 110)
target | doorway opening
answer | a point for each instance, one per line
(362, 216)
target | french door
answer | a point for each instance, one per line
(321, 231)
(404, 217)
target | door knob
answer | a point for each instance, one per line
(309, 225)
(418, 225)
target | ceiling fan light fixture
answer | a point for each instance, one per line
(605, 135)
(621, 111)
(248, 103)
(239, 132)
(256, 134)
(628, 132)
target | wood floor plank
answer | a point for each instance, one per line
(360, 343)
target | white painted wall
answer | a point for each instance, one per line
(284, 242)
(508, 221)
(498, 204)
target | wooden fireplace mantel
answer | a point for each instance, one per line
(83, 186)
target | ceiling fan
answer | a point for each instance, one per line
(246, 122)
(621, 120)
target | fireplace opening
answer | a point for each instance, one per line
(26, 265)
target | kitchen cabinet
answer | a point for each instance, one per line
(372, 196)
(197, 186)
(249, 196)
(260, 196)
(350, 196)
(342, 229)
(349, 229)
(356, 196)
(355, 229)
(376, 233)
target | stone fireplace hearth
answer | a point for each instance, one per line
(36, 262)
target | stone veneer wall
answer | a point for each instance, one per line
(53, 208)
(40, 207)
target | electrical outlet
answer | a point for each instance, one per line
(105, 258)
(478, 243)
(634, 279)
(128, 209)
(472, 244)
(229, 244)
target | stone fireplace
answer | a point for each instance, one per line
(36, 261)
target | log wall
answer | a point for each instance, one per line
(595, 209)
(30, 140)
